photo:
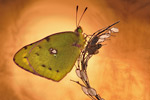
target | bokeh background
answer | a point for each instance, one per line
(121, 71)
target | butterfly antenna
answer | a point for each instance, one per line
(82, 15)
(76, 14)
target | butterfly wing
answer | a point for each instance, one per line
(52, 57)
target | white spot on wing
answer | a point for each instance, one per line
(54, 51)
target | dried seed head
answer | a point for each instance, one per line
(94, 48)
(78, 72)
(105, 35)
(83, 75)
(85, 90)
(100, 40)
(94, 40)
(114, 30)
(91, 92)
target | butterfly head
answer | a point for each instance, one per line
(79, 30)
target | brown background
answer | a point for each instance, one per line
(121, 71)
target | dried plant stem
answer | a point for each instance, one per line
(93, 44)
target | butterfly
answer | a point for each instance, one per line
(55, 55)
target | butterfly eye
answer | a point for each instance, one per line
(79, 29)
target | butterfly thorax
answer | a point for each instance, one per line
(81, 40)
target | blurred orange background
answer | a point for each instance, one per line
(121, 71)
